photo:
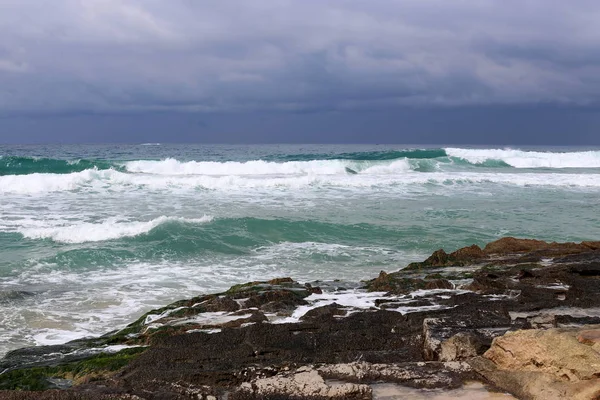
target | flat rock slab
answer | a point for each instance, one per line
(543, 364)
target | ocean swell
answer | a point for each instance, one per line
(109, 229)
(528, 159)
(10, 165)
(390, 177)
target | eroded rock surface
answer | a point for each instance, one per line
(525, 305)
(544, 364)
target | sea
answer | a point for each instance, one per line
(93, 236)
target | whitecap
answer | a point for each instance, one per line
(109, 229)
(529, 159)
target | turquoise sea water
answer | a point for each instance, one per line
(92, 236)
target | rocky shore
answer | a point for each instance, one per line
(519, 316)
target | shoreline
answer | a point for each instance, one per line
(432, 325)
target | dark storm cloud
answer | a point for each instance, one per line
(299, 56)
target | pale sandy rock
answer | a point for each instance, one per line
(303, 383)
(543, 364)
(461, 346)
(553, 351)
(429, 374)
(543, 321)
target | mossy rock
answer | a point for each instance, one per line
(95, 367)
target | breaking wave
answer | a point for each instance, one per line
(109, 229)
(29, 176)
(382, 176)
(528, 159)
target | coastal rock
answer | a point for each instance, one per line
(324, 312)
(420, 332)
(304, 383)
(462, 346)
(511, 245)
(469, 253)
(438, 284)
(430, 375)
(396, 283)
(543, 364)
(468, 331)
(439, 258)
(508, 245)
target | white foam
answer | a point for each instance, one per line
(50, 337)
(373, 177)
(150, 318)
(211, 318)
(171, 166)
(395, 167)
(529, 159)
(353, 298)
(109, 229)
(115, 348)
(44, 183)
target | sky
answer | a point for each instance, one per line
(303, 71)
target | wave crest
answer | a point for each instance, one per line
(173, 167)
(528, 159)
(109, 229)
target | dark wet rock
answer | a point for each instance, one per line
(312, 289)
(481, 326)
(220, 303)
(394, 304)
(400, 336)
(521, 250)
(394, 283)
(198, 358)
(324, 312)
(468, 254)
(509, 245)
(283, 299)
(397, 283)
(570, 320)
(438, 284)
(439, 258)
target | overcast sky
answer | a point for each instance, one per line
(410, 71)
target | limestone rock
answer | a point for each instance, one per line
(543, 364)
(462, 346)
(304, 383)
(430, 375)
(553, 351)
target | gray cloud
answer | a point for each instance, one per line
(301, 56)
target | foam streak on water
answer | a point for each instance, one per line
(94, 236)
